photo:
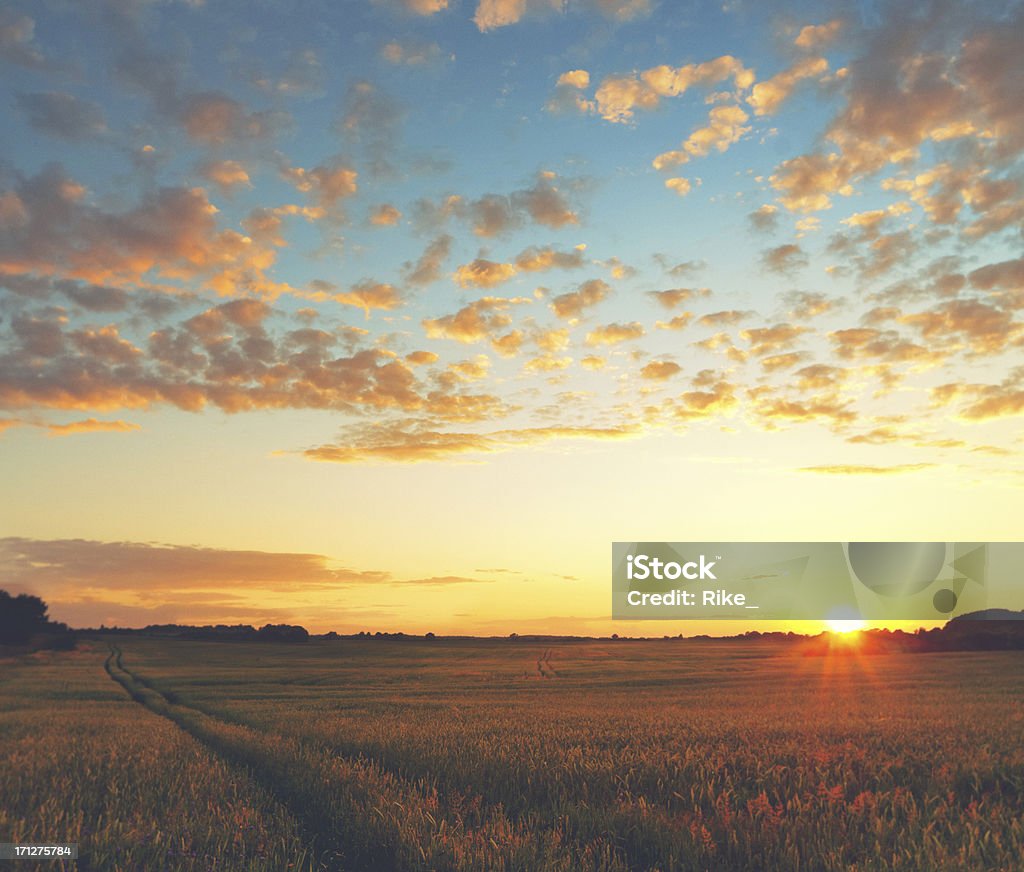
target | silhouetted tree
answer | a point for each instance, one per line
(23, 618)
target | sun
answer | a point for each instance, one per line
(851, 625)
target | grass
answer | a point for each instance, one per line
(502, 755)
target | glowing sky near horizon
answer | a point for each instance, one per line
(393, 315)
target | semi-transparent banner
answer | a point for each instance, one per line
(814, 580)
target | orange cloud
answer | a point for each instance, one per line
(482, 319)
(428, 268)
(729, 316)
(765, 340)
(385, 215)
(410, 53)
(91, 425)
(815, 36)
(483, 273)
(216, 119)
(855, 469)
(618, 97)
(659, 370)
(766, 97)
(415, 445)
(725, 126)
(369, 295)
(172, 232)
(784, 259)
(613, 334)
(226, 174)
(573, 304)
(492, 14)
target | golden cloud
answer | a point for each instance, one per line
(659, 370)
(613, 334)
(405, 444)
(857, 469)
(725, 126)
(766, 97)
(573, 304)
(618, 97)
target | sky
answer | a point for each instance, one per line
(394, 314)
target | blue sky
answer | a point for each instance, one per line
(513, 273)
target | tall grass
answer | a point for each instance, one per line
(468, 755)
(80, 762)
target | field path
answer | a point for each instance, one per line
(214, 735)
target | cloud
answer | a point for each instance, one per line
(225, 357)
(568, 96)
(430, 264)
(613, 334)
(677, 322)
(765, 340)
(618, 97)
(226, 174)
(986, 401)
(578, 79)
(765, 218)
(682, 269)
(497, 214)
(369, 115)
(406, 444)
(483, 319)
(784, 259)
(327, 184)
(369, 295)
(410, 53)
(855, 469)
(888, 345)
(783, 361)
(483, 273)
(420, 358)
(172, 232)
(659, 370)
(725, 317)
(423, 8)
(17, 40)
(91, 425)
(385, 215)
(63, 115)
(69, 567)
(932, 75)
(816, 36)
(573, 304)
(725, 126)
(493, 14)
(679, 186)
(673, 297)
(804, 304)
(537, 259)
(712, 396)
(214, 118)
(986, 329)
(545, 203)
(808, 182)
(766, 97)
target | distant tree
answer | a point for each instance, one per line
(24, 621)
(282, 633)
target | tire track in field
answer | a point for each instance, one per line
(316, 830)
(544, 667)
(374, 850)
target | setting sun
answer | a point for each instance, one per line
(844, 627)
